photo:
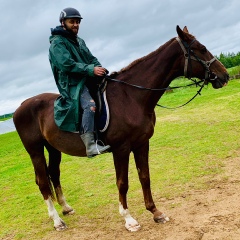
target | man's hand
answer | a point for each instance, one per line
(99, 71)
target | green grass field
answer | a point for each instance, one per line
(234, 70)
(189, 146)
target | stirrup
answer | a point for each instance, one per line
(99, 145)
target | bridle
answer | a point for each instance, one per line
(190, 55)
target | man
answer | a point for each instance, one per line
(73, 64)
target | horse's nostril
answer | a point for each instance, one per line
(227, 76)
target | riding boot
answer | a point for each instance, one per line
(92, 148)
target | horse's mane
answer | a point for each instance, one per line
(135, 62)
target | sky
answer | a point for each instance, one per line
(116, 32)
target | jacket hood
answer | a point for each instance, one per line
(62, 32)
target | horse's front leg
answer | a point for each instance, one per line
(121, 162)
(59, 224)
(141, 159)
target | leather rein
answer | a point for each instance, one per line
(188, 55)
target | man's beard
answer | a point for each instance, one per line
(71, 30)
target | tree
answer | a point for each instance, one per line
(230, 59)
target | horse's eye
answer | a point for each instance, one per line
(204, 50)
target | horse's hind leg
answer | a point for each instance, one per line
(36, 152)
(54, 172)
(141, 159)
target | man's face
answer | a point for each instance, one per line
(72, 24)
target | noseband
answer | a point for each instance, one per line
(190, 55)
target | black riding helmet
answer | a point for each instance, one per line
(69, 13)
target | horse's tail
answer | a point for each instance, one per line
(53, 169)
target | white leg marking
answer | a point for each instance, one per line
(59, 224)
(66, 209)
(131, 224)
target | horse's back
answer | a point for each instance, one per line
(31, 108)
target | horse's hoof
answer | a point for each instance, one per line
(61, 226)
(70, 212)
(132, 228)
(161, 218)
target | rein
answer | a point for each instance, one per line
(197, 83)
(198, 93)
(189, 55)
(153, 89)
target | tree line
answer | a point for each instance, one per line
(6, 116)
(229, 60)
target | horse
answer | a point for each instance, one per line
(130, 127)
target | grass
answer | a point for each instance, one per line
(233, 71)
(189, 146)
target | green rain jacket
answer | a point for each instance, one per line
(72, 63)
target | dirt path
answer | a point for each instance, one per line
(206, 215)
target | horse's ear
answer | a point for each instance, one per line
(185, 29)
(182, 34)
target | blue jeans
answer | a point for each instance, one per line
(88, 106)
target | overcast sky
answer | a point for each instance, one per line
(117, 32)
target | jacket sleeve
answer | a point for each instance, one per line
(63, 60)
(93, 60)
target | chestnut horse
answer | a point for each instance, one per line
(131, 123)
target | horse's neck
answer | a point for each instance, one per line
(155, 72)
(160, 69)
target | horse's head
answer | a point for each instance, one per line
(199, 62)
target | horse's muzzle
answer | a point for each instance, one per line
(218, 81)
